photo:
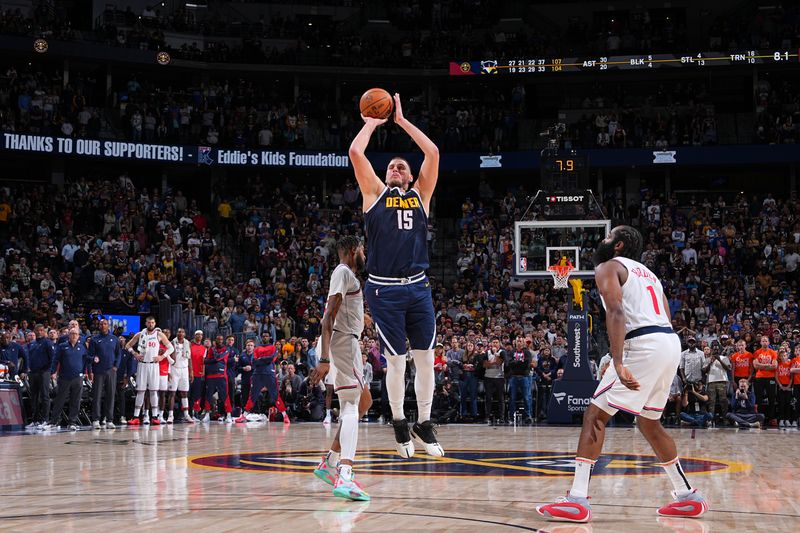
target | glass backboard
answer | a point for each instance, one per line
(541, 243)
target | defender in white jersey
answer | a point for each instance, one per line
(148, 344)
(645, 356)
(342, 325)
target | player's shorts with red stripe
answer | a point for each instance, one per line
(653, 360)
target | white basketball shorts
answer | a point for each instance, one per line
(346, 359)
(147, 377)
(179, 379)
(653, 360)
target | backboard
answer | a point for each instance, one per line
(541, 243)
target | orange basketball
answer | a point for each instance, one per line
(376, 103)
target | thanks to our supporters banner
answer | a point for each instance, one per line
(169, 153)
(727, 155)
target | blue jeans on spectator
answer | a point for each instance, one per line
(698, 419)
(516, 383)
(469, 387)
(312, 360)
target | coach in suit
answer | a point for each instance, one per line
(105, 355)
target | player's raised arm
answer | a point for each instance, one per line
(369, 183)
(429, 171)
(607, 277)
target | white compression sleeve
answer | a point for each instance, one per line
(348, 433)
(396, 384)
(424, 383)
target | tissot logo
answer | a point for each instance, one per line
(559, 396)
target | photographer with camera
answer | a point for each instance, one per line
(743, 410)
(310, 404)
(695, 405)
(445, 404)
(716, 368)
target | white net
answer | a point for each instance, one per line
(560, 275)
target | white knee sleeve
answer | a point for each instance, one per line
(139, 399)
(348, 430)
(154, 402)
(424, 383)
(396, 384)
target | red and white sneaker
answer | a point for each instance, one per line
(691, 505)
(134, 422)
(155, 421)
(241, 420)
(569, 509)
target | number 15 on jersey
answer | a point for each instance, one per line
(405, 219)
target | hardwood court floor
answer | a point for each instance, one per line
(163, 479)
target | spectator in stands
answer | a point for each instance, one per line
(445, 404)
(547, 373)
(744, 412)
(765, 361)
(716, 368)
(494, 380)
(695, 406)
(520, 363)
(692, 362)
(783, 376)
(471, 364)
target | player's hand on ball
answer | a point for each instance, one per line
(374, 121)
(626, 378)
(319, 373)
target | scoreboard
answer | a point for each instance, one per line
(540, 65)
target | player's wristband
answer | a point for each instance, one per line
(325, 360)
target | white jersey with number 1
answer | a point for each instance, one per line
(642, 297)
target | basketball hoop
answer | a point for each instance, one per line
(561, 275)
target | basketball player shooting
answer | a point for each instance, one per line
(398, 291)
(342, 325)
(646, 353)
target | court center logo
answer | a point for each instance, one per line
(463, 463)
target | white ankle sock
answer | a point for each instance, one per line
(677, 477)
(333, 459)
(346, 472)
(583, 472)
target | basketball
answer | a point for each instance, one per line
(376, 103)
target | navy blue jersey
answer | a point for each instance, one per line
(397, 234)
